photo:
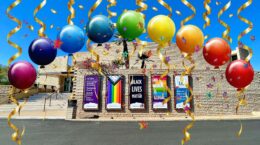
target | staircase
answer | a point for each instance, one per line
(39, 105)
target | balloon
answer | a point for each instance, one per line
(239, 74)
(130, 25)
(72, 38)
(100, 29)
(217, 52)
(189, 38)
(22, 75)
(161, 29)
(42, 51)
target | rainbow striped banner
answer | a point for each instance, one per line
(114, 95)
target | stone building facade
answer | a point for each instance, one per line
(212, 93)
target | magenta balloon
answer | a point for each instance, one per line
(22, 75)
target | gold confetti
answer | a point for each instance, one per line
(53, 11)
(230, 15)
(154, 8)
(206, 37)
(30, 27)
(81, 7)
(178, 12)
(51, 26)
(218, 3)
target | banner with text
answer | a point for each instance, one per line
(137, 91)
(91, 92)
(181, 92)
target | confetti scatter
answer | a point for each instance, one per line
(218, 3)
(209, 95)
(206, 37)
(210, 86)
(231, 15)
(154, 8)
(252, 38)
(178, 12)
(57, 43)
(81, 7)
(53, 11)
(51, 26)
(143, 125)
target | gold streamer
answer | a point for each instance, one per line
(110, 13)
(168, 7)
(186, 3)
(17, 135)
(43, 26)
(95, 65)
(142, 6)
(188, 71)
(247, 30)
(13, 31)
(72, 12)
(208, 12)
(92, 9)
(241, 102)
(226, 32)
(163, 60)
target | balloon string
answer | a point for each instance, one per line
(186, 3)
(206, 13)
(92, 9)
(168, 7)
(226, 32)
(95, 65)
(13, 31)
(241, 102)
(16, 135)
(142, 6)
(247, 30)
(43, 26)
(188, 71)
(163, 60)
(111, 4)
(72, 12)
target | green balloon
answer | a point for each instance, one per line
(130, 25)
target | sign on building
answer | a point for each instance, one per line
(181, 92)
(91, 92)
(114, 92)
(137, 92)
(159, 92)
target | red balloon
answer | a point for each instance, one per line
(217, 52)
(22, 75)
(239, 74)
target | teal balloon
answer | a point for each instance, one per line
(72, 38)
(130, 25)
(100, 29)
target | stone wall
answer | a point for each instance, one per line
(4, 90)
(202, 105)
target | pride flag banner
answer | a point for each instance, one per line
(159, 92)
(114, 92)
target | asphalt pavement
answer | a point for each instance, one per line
(61, 132)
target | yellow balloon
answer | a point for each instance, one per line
(161, 29)
(189, 38)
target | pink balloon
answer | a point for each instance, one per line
(22, 75)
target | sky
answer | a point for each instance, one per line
(24, 12)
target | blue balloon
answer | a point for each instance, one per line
(42, 51)
(72, 38)
(100, 29)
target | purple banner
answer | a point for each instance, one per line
(91, 92)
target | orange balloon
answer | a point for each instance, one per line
(189, 38)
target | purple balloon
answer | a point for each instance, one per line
(22, 75)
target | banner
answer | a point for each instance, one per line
(91, 92)
(114, 92)
(181, 92)
(159, 92)
(137, 91)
